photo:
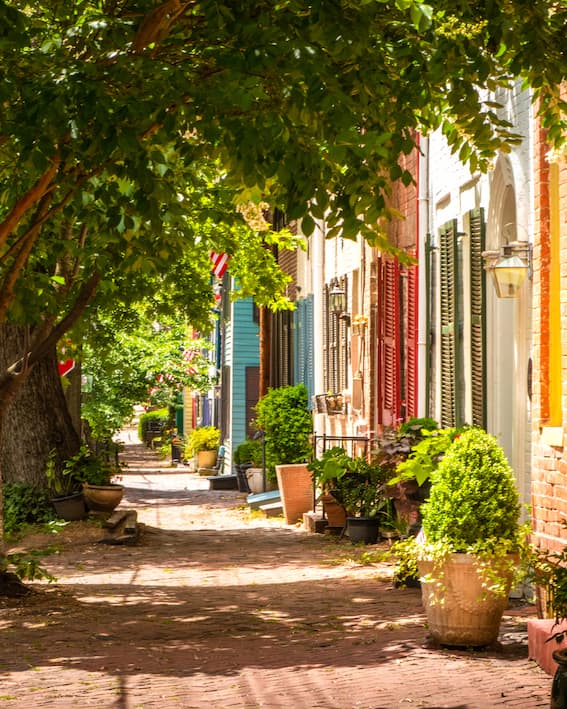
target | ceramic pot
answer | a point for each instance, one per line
(363, 529)
(461, 611)
(103, 498)
(70, 507)
(206, 459)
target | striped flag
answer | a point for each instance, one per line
(220, 263)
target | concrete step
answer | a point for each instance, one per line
(255, 500)
(274, 509)
(223, 482)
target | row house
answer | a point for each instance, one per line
(433, 331)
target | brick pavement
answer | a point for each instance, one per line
(217, 607)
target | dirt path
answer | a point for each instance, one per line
(217, 607)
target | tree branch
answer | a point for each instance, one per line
(32, 196)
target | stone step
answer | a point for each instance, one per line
(122, 526)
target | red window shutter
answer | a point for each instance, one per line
(388, 327)
(411, 342)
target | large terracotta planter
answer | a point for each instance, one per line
(460, 611)
(296, 489)
(103, 498)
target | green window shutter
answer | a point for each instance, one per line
(343, 344)
(478, 317)
(449, 292)
(326, 342)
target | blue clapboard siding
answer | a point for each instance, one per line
(242, 351)
(303, 345)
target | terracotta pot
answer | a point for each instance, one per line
(296, 490)
(460, 610)
(334, 511)
(103, 498)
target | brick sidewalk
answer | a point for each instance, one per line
(219, 608)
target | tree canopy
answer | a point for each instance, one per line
(131, 130)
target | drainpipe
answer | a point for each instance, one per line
(318, 283)
(423, 229)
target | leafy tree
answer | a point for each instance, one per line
(130, 131)
(109, 107)
(138, 361)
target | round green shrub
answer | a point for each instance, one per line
(474, 501)
(287, 423)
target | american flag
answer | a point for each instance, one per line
(220, 263)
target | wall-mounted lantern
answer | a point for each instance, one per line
(338, 301)
(509, 267)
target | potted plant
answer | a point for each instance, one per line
(66, 493)
(97, 476)
(247, 454)
(325, 472)
(361, 489)
(472, 541)
(204, 442)
(411, 484)
(283, 416)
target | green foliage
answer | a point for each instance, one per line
(84, 467)
(426, 455)
(130, 358)
(249, 451)
(474, 503)
(158, 124)
(160, 415)
(287, 424)
(330, 467)
(395, 447)
(403, 552)
(26, 565)
(23, 505)
(359, 485)
(549, 572)
(204, 438)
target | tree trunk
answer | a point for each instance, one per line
(37, 420)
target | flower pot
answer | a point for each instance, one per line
(241, 477)
(296, 490)
(334, 511)
(103, 498)
(363, 529)
(70, 507)
(461, 611)
(206, 459)
(255, 479)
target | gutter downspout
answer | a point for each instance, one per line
(423, 229)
